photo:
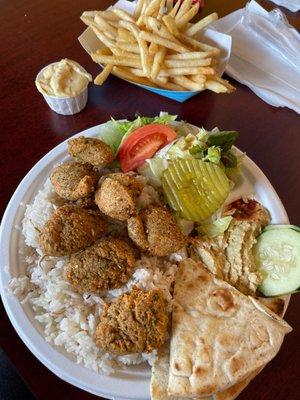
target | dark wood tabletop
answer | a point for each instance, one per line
(35, 33)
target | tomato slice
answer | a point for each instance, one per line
(143, 143)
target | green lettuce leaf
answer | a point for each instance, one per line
(111, 135)
(213, 155)
(223, 139)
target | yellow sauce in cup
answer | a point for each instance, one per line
(65, 78)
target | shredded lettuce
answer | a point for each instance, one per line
(111, 135)
(153, 170)
(213, 155)
(216, 228)
(214, 146)
(127, 127)
(158, 166)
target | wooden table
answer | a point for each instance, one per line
(36, 33)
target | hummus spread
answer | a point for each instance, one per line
(65, 78)
(229, 256)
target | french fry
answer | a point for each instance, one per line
(131, 27)
(126, 54)
(108, 42)
(170, 25)
(186, 71)
(152, 37)
(126, 36)
(197, 78)
(191, 31)
(170, 86)
(127, 75)
(153, 48)
(122, 14)
(169, 5)
(202, 62)
(145, 58)
(152, 8)
(105, 51)
(138, 8)
(222, 82)
(105, 26)
(181, 21)
(195, 44)
(131, 48)
(141, 73)
(109, 15)
(101, 78)
(175, 8)
(215, 86)
(187, 83)
(87, 17)
(184, 7)
(163, 80)
(191, 55)
(116, 60)
(161, 10)
(157, 62)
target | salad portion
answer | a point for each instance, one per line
(195, 169)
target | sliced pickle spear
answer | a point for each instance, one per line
(194, 188)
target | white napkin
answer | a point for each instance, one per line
(293, 5)
(265, 54)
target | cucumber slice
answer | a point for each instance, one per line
(194, 188)
(295, 227)
(277, 254)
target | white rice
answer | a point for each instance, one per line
(68, 318)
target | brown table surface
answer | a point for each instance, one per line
(35, 33)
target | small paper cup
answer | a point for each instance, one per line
(65, 105)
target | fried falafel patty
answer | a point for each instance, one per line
(137, 322)
(117, 195)
(73, 181)
(156, 230)
(90, 150)
(69, 230)
(103, 266)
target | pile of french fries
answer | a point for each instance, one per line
(156, 46)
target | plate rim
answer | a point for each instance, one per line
(8, 223)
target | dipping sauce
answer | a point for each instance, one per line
(65, 78)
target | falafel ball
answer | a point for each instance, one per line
(91, 151)
(70, 229)
(73, 181)
(103, 266)
(155, 229)
(117, 195)
(137, 322)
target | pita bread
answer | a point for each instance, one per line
(160, 376)
(160, 369)
(219, 335)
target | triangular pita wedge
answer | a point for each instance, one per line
(160, 369)
(160, 376)
(219, 335)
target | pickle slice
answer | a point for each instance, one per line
(194, 188)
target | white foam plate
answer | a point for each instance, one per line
(131, 382)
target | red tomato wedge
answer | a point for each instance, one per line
(143, 143)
